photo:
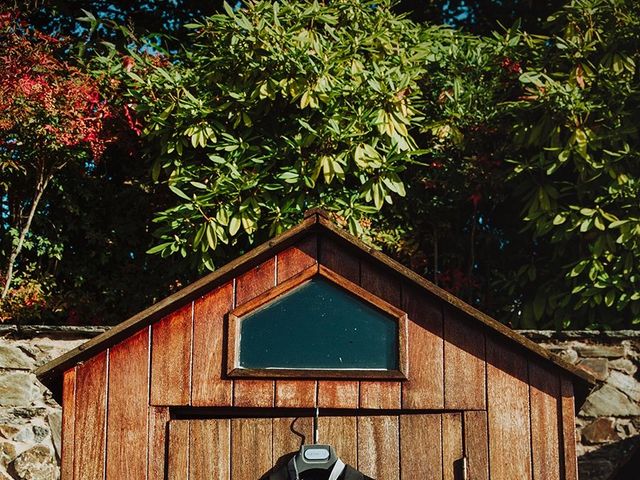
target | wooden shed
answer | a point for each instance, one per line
(223, 379)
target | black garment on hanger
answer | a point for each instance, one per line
(349, 473)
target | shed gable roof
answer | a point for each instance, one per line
(315, 221)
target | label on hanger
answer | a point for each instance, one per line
(316, 454)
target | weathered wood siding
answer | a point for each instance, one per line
(469, 391)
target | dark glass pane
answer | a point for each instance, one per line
(319, 326)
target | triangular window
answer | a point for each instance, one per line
(322, 325)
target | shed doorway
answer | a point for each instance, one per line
(385, 447)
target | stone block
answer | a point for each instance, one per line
(11, 357)
(8, 453)
(8, 431)
(608, 401)
(625, 383)
(598, 367)
(603, 430)
(17, 389)
(54, 419)
(568, 354)
(624, 365)
(602, 351)
(37, 463)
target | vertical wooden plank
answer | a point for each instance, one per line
(256, 281)
(476, 444)
(380, 395)
(421, 447)
(295, 259)
(128, 402)
(378, 446)
(508, 412)
(570, 458)
(254, 393)
(210, 449)
(178, 461)
(545, 422)
(382, 283)
(333, 256)
(91, 416)
(338, 394)
(295, 393)
(342, 433)
(158, 429)
(342, 261)
(452, 449)
(285, 439)
(209, 388)
(68, 422)
(387, 287)
(464, 362)
(171, 358)
(251, 448)
(425, 387)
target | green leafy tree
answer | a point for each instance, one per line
(275, 108)
(576, 169)
(51, 114)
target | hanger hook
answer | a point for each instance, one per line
(315, 425)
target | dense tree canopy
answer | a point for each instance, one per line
(503, 166)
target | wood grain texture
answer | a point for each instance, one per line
(158, 431)
(464, 362)
(251, 448)
(256, 281)
(286, 441)
(508, 412)
(570, 458)
(425, 387)
(171, 358)
(128, 402)
(342, 261)
(68, 422)
(421, 447)
(378, 446)
(387, 287)
(91, 414)
(295, 394)
(452, 446)
(382, 283)
(298, 257)
(476, 443)
(209, 388)
(338, 394)
(545, 422)
(210, 450)
(342, 433)
(380, 395)
(178, 461)
(254, 393)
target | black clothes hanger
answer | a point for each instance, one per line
(310, 457)
(315, 457)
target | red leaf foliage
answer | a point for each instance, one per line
(47, 103)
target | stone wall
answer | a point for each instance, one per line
(609, 421)
(30, 420)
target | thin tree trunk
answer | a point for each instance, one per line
(15, 251)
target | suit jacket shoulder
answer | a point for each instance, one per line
(281, 473)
